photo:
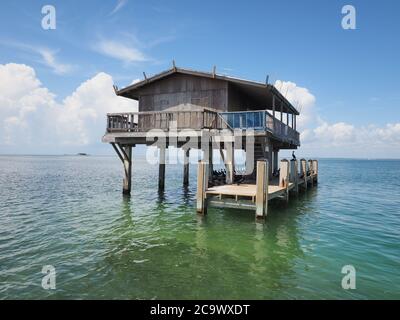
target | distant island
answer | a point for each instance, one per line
(82, 154)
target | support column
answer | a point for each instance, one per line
(262, 189)
(276, 162)
(273, 105)
(303, 171)
(284, 177)
(230, 161)
(294, 175)
(186, 153)
(269, 155)
(125, 155)
(202, 184)
(310, 167)
(210, 161)
(315, 167)
(161, 169)
(128, 170)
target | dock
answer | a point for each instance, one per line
(256, 196)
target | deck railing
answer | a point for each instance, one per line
(145, 121)
(201, 119)
(260, 120)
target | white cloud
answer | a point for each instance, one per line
(301, 98)
(30, 116)
(118, 6)
(120, 51)
(49, 59)
(340, 139)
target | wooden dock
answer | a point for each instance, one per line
(256, 196)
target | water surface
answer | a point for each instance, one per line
(69, 212)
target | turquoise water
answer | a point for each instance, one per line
(69, 212)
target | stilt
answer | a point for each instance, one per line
(186, 153)
(250, 158)
(125, 155)
(210, 162)
(161, 169)
(202, 184)
(230, 161)
(261, 189)
(269, 150)
(275, 160)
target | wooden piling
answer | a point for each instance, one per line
(125, 155)
(310, 166)
(186, 153)
(262, 189)
(294, 175)
(202, 183)
(303, 171)
(161, 169)
(230, 160)
(284, 177)
(210, 162)
(315, 167)
(128, 169)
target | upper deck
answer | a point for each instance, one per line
(261, 121)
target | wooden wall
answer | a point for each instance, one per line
(184, 92)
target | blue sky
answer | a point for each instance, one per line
(353, 74)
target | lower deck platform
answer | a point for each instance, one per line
(255, 196)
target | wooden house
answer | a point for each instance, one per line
(210, 106)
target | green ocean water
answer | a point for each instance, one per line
(69, 212)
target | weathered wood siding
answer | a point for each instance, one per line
(184, 92)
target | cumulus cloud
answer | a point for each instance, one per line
(31, 116)
(301, 98)
(322, 138)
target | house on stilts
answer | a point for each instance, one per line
(208, 111)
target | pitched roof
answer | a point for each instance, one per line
(246, 85)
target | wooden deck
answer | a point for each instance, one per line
(246, 190)
(256, 196)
